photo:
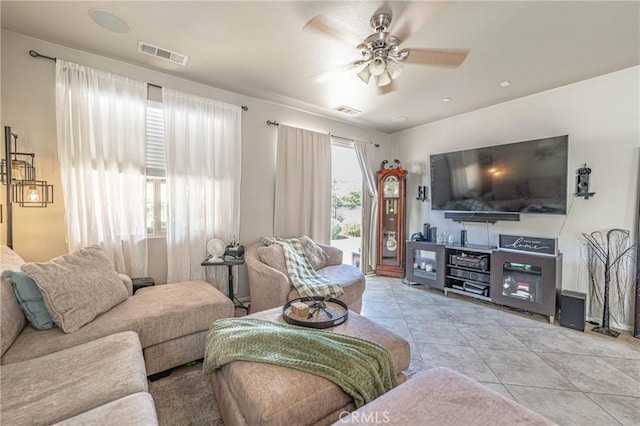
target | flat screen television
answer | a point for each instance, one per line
(522, 177)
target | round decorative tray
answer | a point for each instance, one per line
(323, 313)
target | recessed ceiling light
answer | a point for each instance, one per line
(109, 21)
(399, 118)
(446, 99)
(505, 84)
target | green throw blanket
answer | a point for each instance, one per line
(303, 277)
(362, 369)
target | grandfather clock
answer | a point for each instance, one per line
(391, 198)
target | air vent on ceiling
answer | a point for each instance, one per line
(158, 52)
(347, 110)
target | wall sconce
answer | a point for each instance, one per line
(423, 193)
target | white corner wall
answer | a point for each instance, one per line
(28, 106)
(602, 118)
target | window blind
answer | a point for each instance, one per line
(156, 163)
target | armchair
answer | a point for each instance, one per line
(269, 283)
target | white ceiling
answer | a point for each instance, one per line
(260, 49)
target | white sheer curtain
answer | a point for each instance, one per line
(365, 154)
(101, 148)
(303, 184)
(204, 161)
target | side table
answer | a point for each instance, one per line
(142, 282)
(229, 262)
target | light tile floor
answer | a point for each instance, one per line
(569, 377)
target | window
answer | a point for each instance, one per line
(156, 171)
(156, 207)
(346, 202)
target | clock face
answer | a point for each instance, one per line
(391, 187)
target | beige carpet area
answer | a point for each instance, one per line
(185, 398)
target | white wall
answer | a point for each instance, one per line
(28, 106)
(601, 117)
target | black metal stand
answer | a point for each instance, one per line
(230, 263)
(8, 165)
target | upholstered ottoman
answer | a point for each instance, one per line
(251, 393)
(441, 396)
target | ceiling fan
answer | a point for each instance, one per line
(382, 59)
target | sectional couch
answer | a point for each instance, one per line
(50, 376)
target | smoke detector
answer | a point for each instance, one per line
(161, 53)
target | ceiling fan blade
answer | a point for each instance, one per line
(447, 58)
(391, 87)
(414, 16)
(321, 24)
(327, 75)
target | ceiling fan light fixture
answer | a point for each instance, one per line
(365, 75)
(377, 66)
(403, 55)
(396, 73)
(394, 69)
(382, 59)
(383, 79)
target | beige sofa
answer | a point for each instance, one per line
(170, 324)
(441, 396)
(270, 287)
(171, 320)
(100, 382)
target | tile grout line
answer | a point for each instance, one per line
(494, 373)
(529, 348)
(604, 409)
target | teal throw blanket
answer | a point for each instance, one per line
(362, 369)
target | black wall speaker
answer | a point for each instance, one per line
(426, 232)
(572, 305)
(433, 234)
(582, 180)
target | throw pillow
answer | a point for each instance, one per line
(317, 258)
(30, 300)
(12, 319)
(9, 259)
(273, 256)
(77, 287)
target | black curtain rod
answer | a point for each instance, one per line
(377, 145)
(35, 54)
